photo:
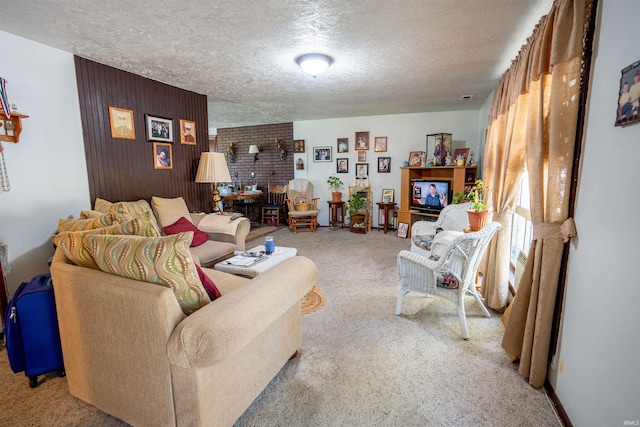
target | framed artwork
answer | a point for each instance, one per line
(342, 165)
(362, 140)
(362, 169)
(159, 128)
(362, 156)
(387, 195)
(121, 123)
(162, 158)
(384, 164)
(321, 154)
(298, 145)
(187, 132)
(464, 152)
(380, 144)
(415, 158)
(403, 229)
(343, 145)
(629, 96)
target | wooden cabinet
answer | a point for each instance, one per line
(459, 176)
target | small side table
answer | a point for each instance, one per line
(387, 209)
(336, 214)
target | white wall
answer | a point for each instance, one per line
(47, 167)
(404, 132)
(597, 375)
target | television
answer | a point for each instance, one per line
(425, 199)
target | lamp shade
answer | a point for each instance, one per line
(213, 168)
(253, 149)
(314, 63)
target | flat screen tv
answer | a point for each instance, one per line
(430, 195)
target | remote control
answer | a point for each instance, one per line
(236, 217)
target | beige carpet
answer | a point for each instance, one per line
(359, 364)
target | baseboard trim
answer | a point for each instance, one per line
(562, 414)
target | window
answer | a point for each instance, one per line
(522, 230)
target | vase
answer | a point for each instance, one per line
(477, 220)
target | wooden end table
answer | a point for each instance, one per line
(387, 209)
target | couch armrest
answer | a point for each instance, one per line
(223, 229)
(226, 325)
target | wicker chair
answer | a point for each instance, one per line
(452, 217)
(302, 206)
(450, 271)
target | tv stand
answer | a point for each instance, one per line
(458, 175)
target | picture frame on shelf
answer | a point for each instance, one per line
(162, 156)
(342, 165)
(415, 158)
(403, 229)
(380, 144)
(187, 132)
(362, 156)
(121, 121)
(159, 128)
(322, 154)
(628, 111)
(362, 140)
(464, 152)
(298, 145)
(384, 164)
(343, 145)
(387, 195)
(362, 169)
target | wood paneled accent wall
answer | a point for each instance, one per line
(123, 169)
(269, 167)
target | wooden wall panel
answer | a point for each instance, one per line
(123, 169)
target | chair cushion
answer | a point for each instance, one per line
(423, 241)
(445, 279)
(164, 261)
(169, 211)
(182, 225)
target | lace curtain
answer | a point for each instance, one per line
(533, 119)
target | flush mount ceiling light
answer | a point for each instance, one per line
(314, 63)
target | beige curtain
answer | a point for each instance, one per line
(533, 119)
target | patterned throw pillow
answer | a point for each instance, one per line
(70, 224)
(164, 261)
(102, 205)
(423, 242)
(90, 214)
(446, 279)
(72, 242)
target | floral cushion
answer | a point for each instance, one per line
(70, 224)
(446, 279)
(165, 261)
(71, 242)
(423, 241)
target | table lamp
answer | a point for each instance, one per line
(213, 169)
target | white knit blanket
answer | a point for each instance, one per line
(214, 223)
(299, 185)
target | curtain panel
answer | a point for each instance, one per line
(533, 120)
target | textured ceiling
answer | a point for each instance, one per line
(390, 57)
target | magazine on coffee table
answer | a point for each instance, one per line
(244, 261)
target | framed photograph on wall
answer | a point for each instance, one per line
(380, 144)
(342, 165)
(321, 154)
(362, 140)
(384, 164)
(362, 156)
(162, 158)
(298, 146)
(159, 128)
(362, 169)
(628, 101)
(343, 145)
(187, 132)
(121, 123)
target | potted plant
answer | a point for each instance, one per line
(335, 184)
(479, 214)
(357, 213)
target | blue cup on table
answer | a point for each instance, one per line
(269, 245)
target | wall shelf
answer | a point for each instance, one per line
(12, 135)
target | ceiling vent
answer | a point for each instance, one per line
(466, 97)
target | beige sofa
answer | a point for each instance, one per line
(130, 351)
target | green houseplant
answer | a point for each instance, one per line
(357, 213)
(479, 214)
(335, 184)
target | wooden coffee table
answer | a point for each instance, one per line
(281, 253)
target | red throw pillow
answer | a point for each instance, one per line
(208, 284)
(182, 225)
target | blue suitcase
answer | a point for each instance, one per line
(31, 329)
